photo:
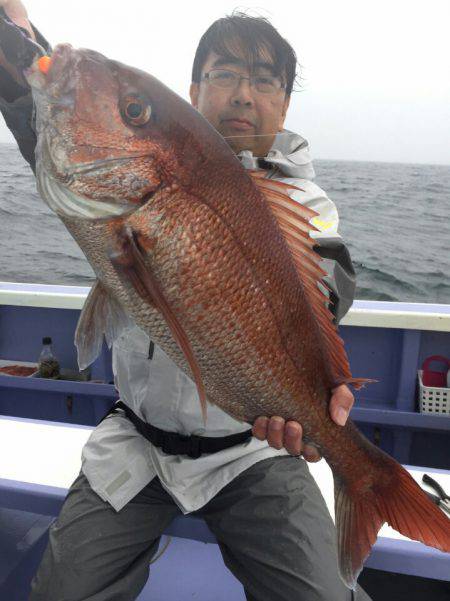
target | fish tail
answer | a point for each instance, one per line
(394, 497)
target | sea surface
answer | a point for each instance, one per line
(394, 218)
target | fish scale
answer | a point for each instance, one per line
(218, 332)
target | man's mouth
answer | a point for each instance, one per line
(239, 124)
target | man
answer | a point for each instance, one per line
(256, 495)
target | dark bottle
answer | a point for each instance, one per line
(48, 364)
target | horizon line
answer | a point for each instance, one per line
(331, 159)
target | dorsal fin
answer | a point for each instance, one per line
(293, 219)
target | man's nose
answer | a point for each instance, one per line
(242, 94)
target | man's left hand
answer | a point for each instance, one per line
(279, 433)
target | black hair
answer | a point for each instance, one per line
(254, 38)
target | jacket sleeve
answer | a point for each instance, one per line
(16, 106)
(341, 274)
(336, 258)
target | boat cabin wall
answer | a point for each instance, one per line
(387, 342)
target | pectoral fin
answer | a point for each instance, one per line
(133, 268)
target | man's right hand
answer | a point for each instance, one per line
(17, 12)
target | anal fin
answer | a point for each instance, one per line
(101, 316)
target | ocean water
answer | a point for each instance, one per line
(394, 218)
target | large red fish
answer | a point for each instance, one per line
(217, 266)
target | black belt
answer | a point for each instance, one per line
(173, 443)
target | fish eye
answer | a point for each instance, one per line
(136, 110)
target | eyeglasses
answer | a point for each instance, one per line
(265, 84)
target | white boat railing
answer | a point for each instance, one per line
(363, 313)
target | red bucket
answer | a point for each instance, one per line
(437, 379)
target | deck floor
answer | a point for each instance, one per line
(191, 570)
(186, 570)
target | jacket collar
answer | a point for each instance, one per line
(289, 154)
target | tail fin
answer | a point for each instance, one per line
(404, 506)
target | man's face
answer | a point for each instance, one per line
(246, 118)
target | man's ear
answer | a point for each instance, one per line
(284, 112)
(194, 91)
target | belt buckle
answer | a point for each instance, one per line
(170, 443)
(194, 451)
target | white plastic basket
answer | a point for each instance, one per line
(433, 399)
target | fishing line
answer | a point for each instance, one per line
(260, 135)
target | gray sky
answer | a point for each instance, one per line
(376, 73)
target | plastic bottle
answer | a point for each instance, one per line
(48, 366)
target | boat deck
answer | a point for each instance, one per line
(384, 341)
(36, 483)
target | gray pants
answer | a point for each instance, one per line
(271, 523)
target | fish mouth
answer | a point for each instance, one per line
(99, 164)
(58, 177)
(56, 83)
(67, 203)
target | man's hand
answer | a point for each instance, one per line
(17, 12)
(279, 433)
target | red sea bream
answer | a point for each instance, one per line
(217, 265)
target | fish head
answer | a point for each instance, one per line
(109, 135)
